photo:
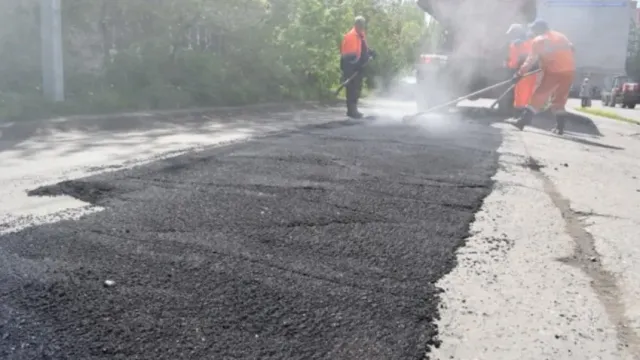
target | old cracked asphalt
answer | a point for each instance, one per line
(323, 243)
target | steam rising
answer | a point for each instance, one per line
(472, 34)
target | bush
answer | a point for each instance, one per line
(126, 55)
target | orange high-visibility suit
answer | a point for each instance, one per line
(352, 45)
(354, 52)
(518, 52)
(555, 54)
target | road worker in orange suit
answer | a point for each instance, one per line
(555, 54)
(519, 49)
(354, 54)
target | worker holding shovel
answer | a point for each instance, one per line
(354, 55)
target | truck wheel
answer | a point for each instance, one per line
(632, 106)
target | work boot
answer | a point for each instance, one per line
(516, 113)
(352, 111)
(560, 121)
(525, 119)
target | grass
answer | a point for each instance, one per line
(607, 114)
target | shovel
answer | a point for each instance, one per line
(346, 82)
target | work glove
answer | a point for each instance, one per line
(516, 78)
(372, 54)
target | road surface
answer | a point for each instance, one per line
(297, 235)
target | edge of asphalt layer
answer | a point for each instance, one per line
(171, 158)
(94, 192)
(493, 294)
(173, 161)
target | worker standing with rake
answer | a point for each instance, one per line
(354, 55)
(555, 53)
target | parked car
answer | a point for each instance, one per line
(624, 91)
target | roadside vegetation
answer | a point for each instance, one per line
(607, 114)
(125, 55)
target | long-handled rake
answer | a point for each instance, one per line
(465, 97)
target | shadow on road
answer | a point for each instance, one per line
(71, 135)
(577, 126)
(575, 123)
(581, 140)
(28, 138)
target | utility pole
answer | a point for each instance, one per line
(51, 36)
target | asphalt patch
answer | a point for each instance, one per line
(322, 244)
(93, 192)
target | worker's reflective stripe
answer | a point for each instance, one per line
(514, 54)
(351, 56)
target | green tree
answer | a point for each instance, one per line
(123, 54)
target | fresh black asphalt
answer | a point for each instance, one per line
(324, 243)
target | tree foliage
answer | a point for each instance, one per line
(131, 54)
